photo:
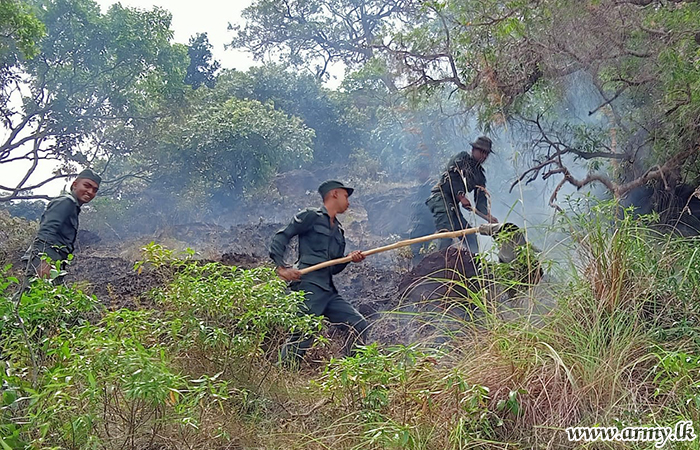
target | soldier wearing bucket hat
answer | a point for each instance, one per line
(321, 238)
(58, 227)
(464, 173)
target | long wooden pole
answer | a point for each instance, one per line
(486, 229)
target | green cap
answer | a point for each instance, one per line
(90, 175)
(329, 185)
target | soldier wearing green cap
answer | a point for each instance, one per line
(321, 238)
(58, 227)
(464, 174)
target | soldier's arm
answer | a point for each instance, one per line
(301, 223)
(57, 211)
(456, 187)
(481, 200)
(482, 204)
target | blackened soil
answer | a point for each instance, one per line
(377, 287)
(114, 281)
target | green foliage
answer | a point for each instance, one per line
(337, 125)
(202, 68)
(75, 376)
(316, 32)
(20, 32)
(235, 314)
(235, 146)
(678, 373)
(161, 257)
(100, 79)
(30, 210)
(366, 379)
(405, 401)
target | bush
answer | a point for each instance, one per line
(16, 235)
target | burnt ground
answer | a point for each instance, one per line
(107, 269)
(401, 304)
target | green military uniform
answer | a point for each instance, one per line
(58, 230)
(463, 174)
(319, 241)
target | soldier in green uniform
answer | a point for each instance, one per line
(321, 238)
(58, 227)
(464, 173)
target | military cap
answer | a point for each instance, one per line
(483, 143)
(329, 185)
(90, 175)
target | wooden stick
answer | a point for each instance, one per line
(486, 229)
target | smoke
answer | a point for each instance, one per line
(528, 204)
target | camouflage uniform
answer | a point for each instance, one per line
(463, 174)
(319, 241)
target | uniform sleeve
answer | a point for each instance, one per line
(481, 201)
(476, 182)
(57, 211)
(301, 223)
(457, 185)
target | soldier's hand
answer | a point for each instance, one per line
(357, 256)
(466, 203)
(44, 270)
(491, 219)
(288, 273)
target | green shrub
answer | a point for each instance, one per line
(16, 234)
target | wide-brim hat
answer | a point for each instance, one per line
(329, 185)
(483, 143)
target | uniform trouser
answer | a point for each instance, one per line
(447, 216)
(336, 309)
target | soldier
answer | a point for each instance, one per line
(59, 225)
(321, 239)
(463, 174)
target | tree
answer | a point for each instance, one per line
(226, 147)
(202, 68)
(337, 125)
(96, 80)
(317, 33)
(20, 30)
(518, 60)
